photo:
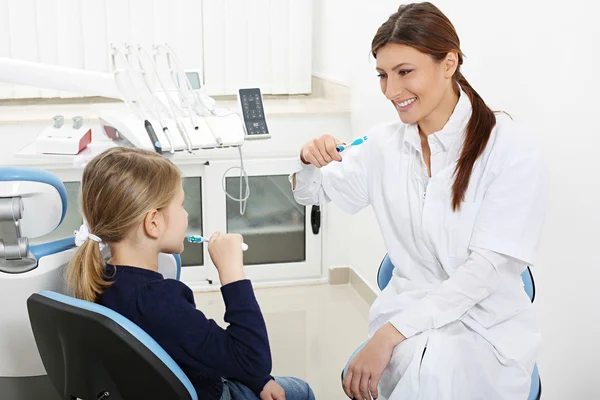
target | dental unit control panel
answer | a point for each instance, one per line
(253, 111)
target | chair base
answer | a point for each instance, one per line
(27, 388)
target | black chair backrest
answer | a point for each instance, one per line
(88, 355)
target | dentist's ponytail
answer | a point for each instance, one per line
(424, 27)
(119, 187)
(479, 129)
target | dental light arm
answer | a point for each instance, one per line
(86, 83)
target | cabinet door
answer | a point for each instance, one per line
(193, 271)
(278, 231)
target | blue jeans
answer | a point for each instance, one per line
(295, 389)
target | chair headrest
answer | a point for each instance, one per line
(43, 195)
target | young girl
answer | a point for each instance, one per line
(132, 201)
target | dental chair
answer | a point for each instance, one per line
(33, 203)
(92, 352)
(384, 274)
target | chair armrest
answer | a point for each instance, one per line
(56, 246)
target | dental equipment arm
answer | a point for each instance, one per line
(184, 129)
(86, 83)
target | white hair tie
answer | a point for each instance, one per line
(83, 234)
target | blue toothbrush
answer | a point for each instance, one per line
(200, 239)
(356, 142)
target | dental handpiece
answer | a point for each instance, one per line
(153, 137)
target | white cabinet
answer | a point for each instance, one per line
(279, 233)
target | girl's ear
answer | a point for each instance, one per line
(152, 223)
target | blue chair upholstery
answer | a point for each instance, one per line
(384, 274)
(89, 350)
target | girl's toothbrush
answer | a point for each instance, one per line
(200, 239)
(356, 142)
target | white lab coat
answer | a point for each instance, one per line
(456, 291)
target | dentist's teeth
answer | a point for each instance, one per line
(407, 102)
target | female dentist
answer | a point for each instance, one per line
(458, 193)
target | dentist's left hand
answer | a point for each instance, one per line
(365, 370)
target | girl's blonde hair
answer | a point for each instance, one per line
(119, 187)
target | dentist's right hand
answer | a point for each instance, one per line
(320, 151)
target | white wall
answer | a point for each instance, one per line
(538, 61)
(234, 43)
(331, 47)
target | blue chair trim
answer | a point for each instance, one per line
(36, 175)
(130, 327)
(178, 261)
(535, 393)
(529, 283)
(57, 246)
(384, 273)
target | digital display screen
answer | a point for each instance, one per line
(194, 79)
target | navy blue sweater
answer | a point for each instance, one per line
(165, 309)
